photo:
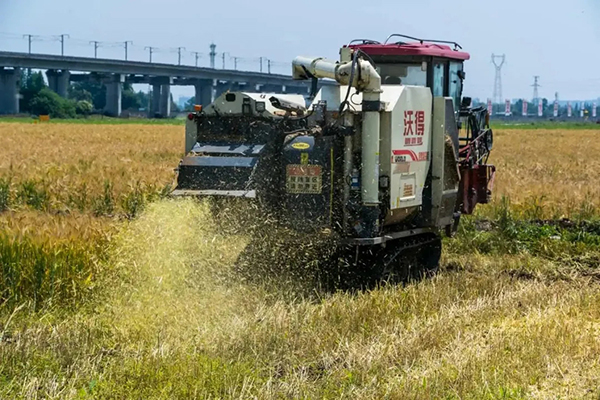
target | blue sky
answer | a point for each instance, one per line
(554, 39)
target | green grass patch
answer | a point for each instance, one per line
(47, 272)
(508, 233)
(544, 125)
(98, 120)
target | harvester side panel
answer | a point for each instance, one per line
(411, 146)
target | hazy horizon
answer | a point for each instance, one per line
(533, 35)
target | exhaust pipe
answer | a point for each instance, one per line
(369, 82)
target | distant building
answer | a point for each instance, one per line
(181, 101)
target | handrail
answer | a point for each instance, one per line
(364, 41)
(456, 45)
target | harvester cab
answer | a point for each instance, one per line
(384, 160)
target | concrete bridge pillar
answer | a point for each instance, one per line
(154, 105)
(245, 87)
(204, 92)
(114, 88)
(9, 90)
(251, 87)
(165, 100)
(59, 81)
(220, 88)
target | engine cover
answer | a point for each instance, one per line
(309, 194)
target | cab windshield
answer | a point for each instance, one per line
(402, 74)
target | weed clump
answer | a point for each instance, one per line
(46, 272)
(133, 202)
(104, 205)
(79, 198)
(5, 196)
(33, 194)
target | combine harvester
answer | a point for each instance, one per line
(384, 162)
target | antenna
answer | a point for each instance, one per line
(498, 62)
(536, 86)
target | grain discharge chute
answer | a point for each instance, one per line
(386, 160)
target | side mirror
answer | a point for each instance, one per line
(462, 75)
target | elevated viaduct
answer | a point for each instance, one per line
(208, 82)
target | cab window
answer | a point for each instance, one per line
(455, 84)
(438, 79)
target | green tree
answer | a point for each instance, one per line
(78, 93)
(132, 100)
(91, 90)
(31, 84)
(189, 105)
(129, 100)
(84, 107)
(47, 102)
(144, 99)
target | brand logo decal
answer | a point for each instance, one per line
(301, 145)
(414, 127)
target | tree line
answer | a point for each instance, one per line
(83, 98)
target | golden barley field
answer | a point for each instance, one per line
(557, 170)
(110, 290)
(72, 164)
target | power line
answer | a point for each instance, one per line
(213, 53)
(179, 55)
(223, 57)
(126, 43)
(96, 45)
(150, 51)
(265, 64)
(30, 39)
(197, 56)
(62, 43)
(8, 35)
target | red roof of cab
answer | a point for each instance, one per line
(412, 49)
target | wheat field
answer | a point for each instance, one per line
(131, 295)
(551, 171)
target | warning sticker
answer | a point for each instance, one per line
(305, 179)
